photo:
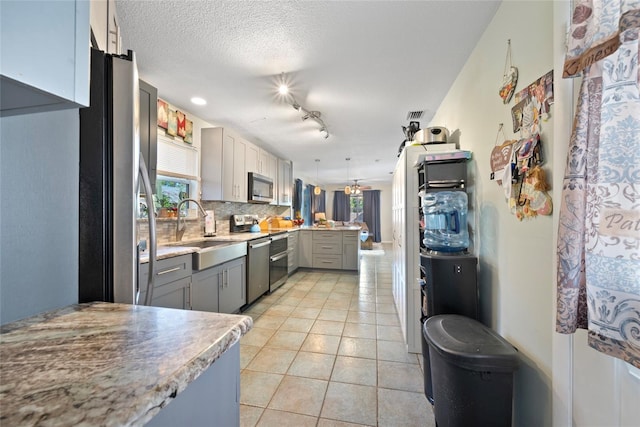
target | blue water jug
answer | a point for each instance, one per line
(445, 221)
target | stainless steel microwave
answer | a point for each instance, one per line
(260, 188)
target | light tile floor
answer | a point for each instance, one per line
(326, 350)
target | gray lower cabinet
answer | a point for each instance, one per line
(305, 244)
(211, 399)
(233, 288)
(204, 289)
(221, 288)
(172, 287)
(329, 249)
(350, 250)
(292, 249)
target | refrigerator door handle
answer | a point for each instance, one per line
(152, 232)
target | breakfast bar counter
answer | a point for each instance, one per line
(109, 364)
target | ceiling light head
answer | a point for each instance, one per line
(305, 117)
(317, 190)
(347, 190)
(283, 89)
(198, 101)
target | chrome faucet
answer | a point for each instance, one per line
(180, 231)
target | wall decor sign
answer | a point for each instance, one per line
(188, 128)
(163, 114)
(509, 77)
(172, 128)
(533, 105)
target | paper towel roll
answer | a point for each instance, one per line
(209, 223)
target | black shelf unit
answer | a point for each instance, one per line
(448, 282)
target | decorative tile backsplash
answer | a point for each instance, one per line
(166, 227)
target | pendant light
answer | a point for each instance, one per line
(347, 188)
(317, 190)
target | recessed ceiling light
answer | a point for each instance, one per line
(283, 89)
(198, 101)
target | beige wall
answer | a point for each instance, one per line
(516, 273)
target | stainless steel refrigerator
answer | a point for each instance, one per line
(111, 169)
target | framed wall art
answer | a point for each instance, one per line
(163, 114)
(172, 128)
(181, 124)
(188, 128)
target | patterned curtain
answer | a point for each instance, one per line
(599, 230)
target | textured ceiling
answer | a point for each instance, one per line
(363, 65)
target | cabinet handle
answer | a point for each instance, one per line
(327, 247)
(171, 270)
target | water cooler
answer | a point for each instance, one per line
(448, 279)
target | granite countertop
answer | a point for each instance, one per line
(106, 364)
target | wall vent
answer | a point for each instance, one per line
(415, 115)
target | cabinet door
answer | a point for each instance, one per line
(114, 41)
(253, 159)
(171, 295)
(293, 252)
(229, 190)
(285, 182)
(44, 60)
(239, 170)
(350, 250)
(305, 245)
(204, 289)
(211, 163)
(149, 129)
(232, 289)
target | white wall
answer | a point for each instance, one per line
(516, 276)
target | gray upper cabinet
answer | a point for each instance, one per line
(223, 169)
(149, 129)
(105, 30)
(44, 56)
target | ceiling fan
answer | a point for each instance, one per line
(356, 188)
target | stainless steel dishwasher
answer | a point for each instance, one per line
(257, 268)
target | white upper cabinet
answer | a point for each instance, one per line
(44, 56)
(268, 165)
(285, 182)
(223, 165)
(253, 158)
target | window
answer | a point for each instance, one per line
(170, 190)
(356, 208)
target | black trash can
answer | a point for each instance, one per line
(472, 372)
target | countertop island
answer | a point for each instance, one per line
(107, 364)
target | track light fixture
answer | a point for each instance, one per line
(283, 89)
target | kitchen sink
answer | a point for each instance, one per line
(214, 252)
